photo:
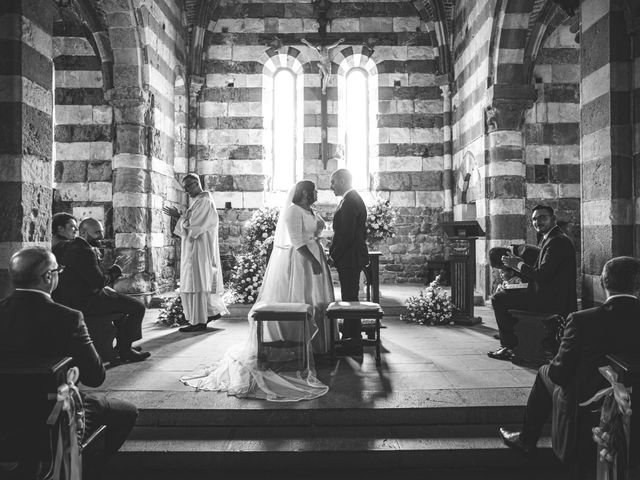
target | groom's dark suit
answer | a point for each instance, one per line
(32, 324)
(349, 250)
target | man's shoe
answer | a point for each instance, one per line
(503, 353)
(214, 317)
(497, 336)
(198, 327)
(132, 355)
(512, 440)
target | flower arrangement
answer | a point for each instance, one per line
(432, 306)
(248, 269)
(261, 226)
(381, 220)
(246, 278)
(172, 314)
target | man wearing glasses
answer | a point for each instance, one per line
(552, 281)
(32, 324)
(85, 287)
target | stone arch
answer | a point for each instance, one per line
(126, 36)
(508, 39)
(549, 18)
(437, 15)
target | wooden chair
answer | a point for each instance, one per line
(357, 311)
(282, 312)
(25, 437)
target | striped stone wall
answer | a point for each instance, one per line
(552, 133)
(149, 50)
(406, 161)
(83, 131)
(470, 51)
(606, 141)
(26, 84)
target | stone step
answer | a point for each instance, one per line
(327, 448)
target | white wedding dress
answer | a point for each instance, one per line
(288, 278)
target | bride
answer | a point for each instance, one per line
(297, 272)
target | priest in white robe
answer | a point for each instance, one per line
(200, 270)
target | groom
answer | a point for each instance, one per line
(348, 251)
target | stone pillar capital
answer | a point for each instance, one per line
(506, 106)
(445, 91)
(195, 85)
(130, 105)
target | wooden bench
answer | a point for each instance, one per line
(102, 331)
(29, 388)
(283, 312)
(355, 311)
(536, 333)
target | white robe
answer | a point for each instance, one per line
(200, 271)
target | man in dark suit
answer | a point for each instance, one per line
(551, 281)
(84, 287)
(612, 328)
(31, 323)
(348, 251)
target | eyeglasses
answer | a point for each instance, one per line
(540, 217)
(60, 269)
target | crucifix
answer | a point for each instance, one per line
(324, 70)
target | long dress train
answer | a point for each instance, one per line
(288, 278)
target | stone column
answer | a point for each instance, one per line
(606, 141)
(195, 86)
(135, 205)
(503, 208)
(447, 176)
(26, 131)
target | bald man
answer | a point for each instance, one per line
(32, 324)
(348, 251)
(85, 287)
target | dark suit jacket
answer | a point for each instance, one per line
(613, 327)
(82, 277)
(552, 280)
(32, 324)
(349, 246)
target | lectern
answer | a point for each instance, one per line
(462, 239)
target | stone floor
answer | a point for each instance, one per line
(421, 365)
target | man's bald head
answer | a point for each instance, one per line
(28, 265)
(341, 181)
(91, 230)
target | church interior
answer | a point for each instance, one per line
(459, 110)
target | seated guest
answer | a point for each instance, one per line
(32, 324)
(611, 328)
(551, 281)
(64, 227)
(84, 287)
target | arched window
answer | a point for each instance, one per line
(282, 108)
(356, 138)
(357, 112)
(284, 129)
